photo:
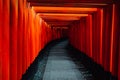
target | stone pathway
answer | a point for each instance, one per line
(60, 66)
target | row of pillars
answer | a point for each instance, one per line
(98, 35)
(23, 34)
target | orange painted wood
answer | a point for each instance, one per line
(32, 31)
(118, 19)
(28, 40)
(90, 21)
(107, 37)
(20, 40)
(94, 36)
(102, 31)
(88, 36)
(35, 36)
(98, 36)
(24, 40)
(119, 60)
(101, 36)
(26, 37)
(5, 40)
(114, 58)
(1, 40)
(68, 3)
(13, 38)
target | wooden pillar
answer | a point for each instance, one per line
(13, 38)
(5, 40)
(98, 27)
(118, 21)
(40, 26)
(0, 53)
(87, 36)
(1, 21)
(101, 36)
(83, 34)
(20, 39)
(26, 37)
(107, 29)
(90, 20)
(24, 61)
(94, 36)
(80, 35)
(114, 55)
(30, 36)
(119, 60)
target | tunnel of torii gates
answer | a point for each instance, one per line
(92, 26)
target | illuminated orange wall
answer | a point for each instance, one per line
(98, 37)
(23, 34)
